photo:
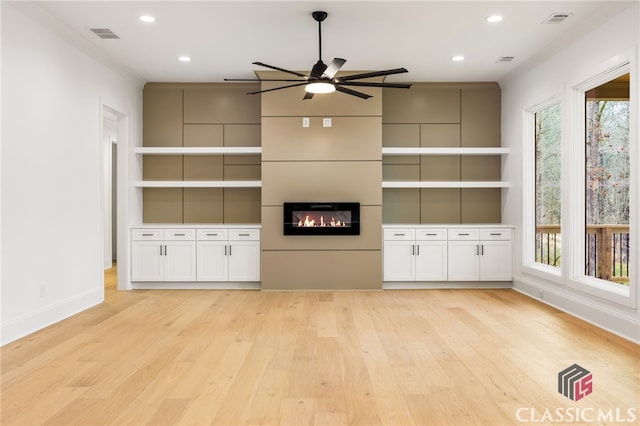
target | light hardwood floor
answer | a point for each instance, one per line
(431, 357)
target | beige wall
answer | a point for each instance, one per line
(338, 163)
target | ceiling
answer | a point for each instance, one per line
(223, 38)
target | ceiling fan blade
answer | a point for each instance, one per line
(279, 69)
(277, 88)
(352, 92)
(373, 74)
(307, 95)
(334, 67)
(372, 84)
(259, 80)
(318, 69)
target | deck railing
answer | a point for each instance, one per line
(606, 250)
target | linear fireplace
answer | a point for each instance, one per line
(321, 218)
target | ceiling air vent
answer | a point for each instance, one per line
(556, 18)
(104, 33)
(505, 58)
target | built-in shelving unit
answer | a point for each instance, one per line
(445, 184)
(435, 151)
(198, 184)
(198, 150)
(445, 151)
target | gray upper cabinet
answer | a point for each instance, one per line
(162, 116)
(223, 103)
(481, 116)
(422, 103)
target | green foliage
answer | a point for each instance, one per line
(548, 165)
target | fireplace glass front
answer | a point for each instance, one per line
(321, 218)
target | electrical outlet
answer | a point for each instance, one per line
(305, 121)
(326, 122)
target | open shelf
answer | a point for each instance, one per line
(198, 184)
(445, 151)
(178, 150)
(445, 184)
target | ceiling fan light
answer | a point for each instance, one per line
(319, 87)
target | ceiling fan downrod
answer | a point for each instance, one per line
(319, 16)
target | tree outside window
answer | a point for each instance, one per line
(607, 179)
(548, 239)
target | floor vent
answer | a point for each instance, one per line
(104, 33)
(556, 18)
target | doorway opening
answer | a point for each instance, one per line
(111, 129)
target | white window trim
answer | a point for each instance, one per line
(573, 198)
(529, 264)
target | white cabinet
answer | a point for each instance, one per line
(423, 253)
(480, 254)
(228, 254)
(415, 255)
(431, 255)
(163, 255)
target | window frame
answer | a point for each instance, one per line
(573, 231)
(529, 264)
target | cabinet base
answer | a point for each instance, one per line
(417, 285)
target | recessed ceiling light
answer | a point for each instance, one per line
(494, 18)
(457, 58)
(184, 58)
(147, 18)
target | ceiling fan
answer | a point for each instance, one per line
(322, 78)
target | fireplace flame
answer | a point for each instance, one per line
(311, 223)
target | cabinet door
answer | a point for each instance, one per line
(147, 261)
(431, 261)
(180, 261)
(399, 261)
(212, 261)
(244, 260)
(495, 261)
(464, 261)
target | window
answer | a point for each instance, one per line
(548, 239)
(607, 180)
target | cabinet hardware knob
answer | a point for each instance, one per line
(463, 234)
(496, 233)
(399, 235)
(160, 249)
(243, 235)
(165, 249)
(229, 249)
(225, 249)
(179, 235)
(212, 235)
(477, 249)
(482, 249)
(147, 235)
(431, 235)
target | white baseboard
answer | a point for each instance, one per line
(31, 322)
(614, 321)
(238, 285)
(418, 285)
